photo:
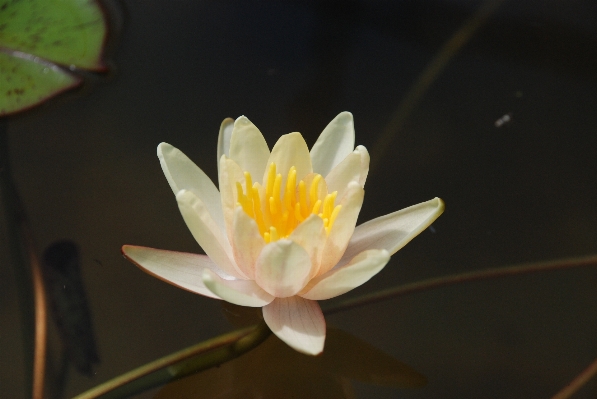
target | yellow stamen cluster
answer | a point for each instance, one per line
(278, 210)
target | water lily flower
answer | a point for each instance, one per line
(280, 233)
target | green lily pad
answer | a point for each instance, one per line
(28, 82)
(41, 43)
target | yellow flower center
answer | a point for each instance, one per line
(279, 210)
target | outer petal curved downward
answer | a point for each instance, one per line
(180, 269)
(248, 147)
(298, 322)
(393, 231)
(283, 268)
(238, 292)
(183, 174)
(341, 280)
(208, 236)
(334, 144)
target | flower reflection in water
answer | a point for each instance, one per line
(273, 370)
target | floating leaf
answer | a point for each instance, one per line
(28, 81)
(36, 36)
(67, 32)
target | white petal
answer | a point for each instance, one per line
(230, 173)
(283, 268)
(238, 292)
(298, 322)
(290, 150)
(353, 168)
(311, 236)
(343, 279)
(210, 238)
(224, 139)
(343, 227)
(334, 144)
(183, 174)
(364, 164)
(180, 269)
(393, 231)
(247, 243)
(248, 147)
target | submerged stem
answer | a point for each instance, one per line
(428, 76)
(41, 319)
(424, 285)
(578, 382)
(28, 275)
(191, 360)
(560, 264)
(226, 347)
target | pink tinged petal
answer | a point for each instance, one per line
(238, 292)
(353, 168)
(224, 139)
(290, 150)
(298, 322)
(393, 231)
(208, 235)
(183, 174)
(230, 173)
(334, 144)
(343, 279)
(343, 227)
(283, 268)
(247, 243)
(248, 147)
(311, 236)
(180, 269)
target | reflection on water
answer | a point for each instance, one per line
(273, 370)
(86, 169)
(69, 304)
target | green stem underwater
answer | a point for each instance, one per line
(191, 360)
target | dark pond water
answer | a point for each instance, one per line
(523, 191)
